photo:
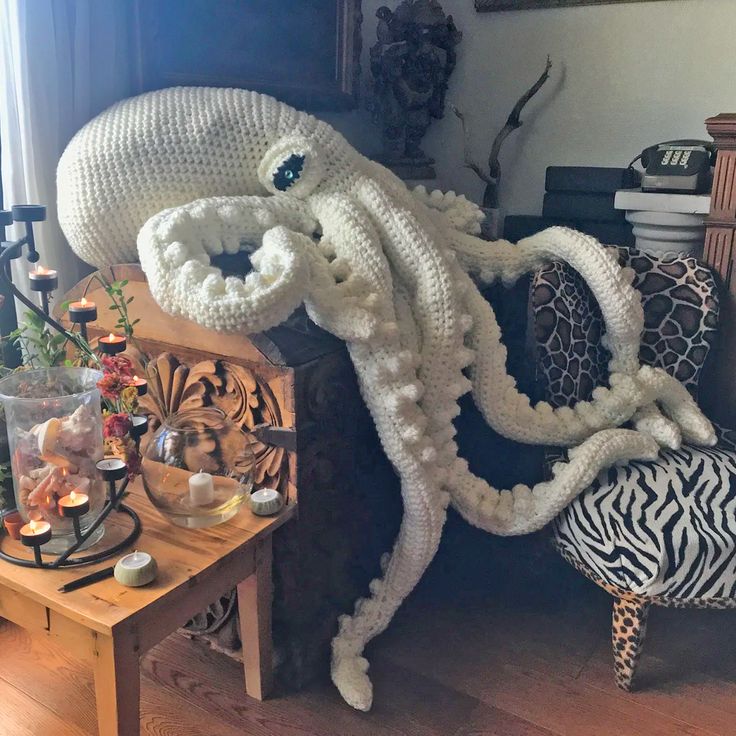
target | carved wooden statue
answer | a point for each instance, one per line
(411, 64)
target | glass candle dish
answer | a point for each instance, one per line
(198, 468)
(54, 425)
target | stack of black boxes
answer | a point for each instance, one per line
(580, 197)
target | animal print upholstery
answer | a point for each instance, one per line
(680, 301)
(648, 527)
(659, 533)
(665, 528)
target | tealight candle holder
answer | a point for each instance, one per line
(266, 502)
(81, 313)
(139, 426)
(112, 470)
(38, 450)
(136, 569)
(44, 281)
(112, 344)
(141, 385)
(74, 506)
(35, 534)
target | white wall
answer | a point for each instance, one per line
(624, 77)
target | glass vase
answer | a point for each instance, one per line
(198, 468)
(54, 425)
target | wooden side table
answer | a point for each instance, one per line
(112, 626)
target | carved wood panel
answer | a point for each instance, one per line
(238, 391)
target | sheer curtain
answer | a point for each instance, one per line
(61, 62)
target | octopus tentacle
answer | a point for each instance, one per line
(458, 212)
(522, 509)
(176, 245)
(618, 300)
(509, 412)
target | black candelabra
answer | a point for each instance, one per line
(114, 472)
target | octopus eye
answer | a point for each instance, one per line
(293, 165)
(288, 172)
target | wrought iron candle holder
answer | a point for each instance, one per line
(36, 533)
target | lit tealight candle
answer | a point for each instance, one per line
(112, 344)
(43, 279)
(75, 504)
(201, 489)
(136, 569)
(82, 311)
(141, 385)
(266, 501)
(35, 533)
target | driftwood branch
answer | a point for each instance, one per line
(467, 159)
(514, 121)
(492, 177)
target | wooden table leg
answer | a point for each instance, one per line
(254, 607)
(117, 686)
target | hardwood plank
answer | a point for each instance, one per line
(406, 704)
(24, 716)
(489, 721)
(47, 673)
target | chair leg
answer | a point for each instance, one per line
(628, 631)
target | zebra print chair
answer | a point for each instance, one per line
(661, 532)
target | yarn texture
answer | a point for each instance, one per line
(190, 173)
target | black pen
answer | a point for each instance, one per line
(94, 577)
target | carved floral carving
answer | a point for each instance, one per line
(239, 392)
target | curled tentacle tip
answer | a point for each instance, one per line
(350, 678)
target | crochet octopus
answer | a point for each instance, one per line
(189, 173)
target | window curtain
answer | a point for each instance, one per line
(61, 62)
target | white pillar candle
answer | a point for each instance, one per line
(201, 489)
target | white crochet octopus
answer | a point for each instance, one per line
(195, 172)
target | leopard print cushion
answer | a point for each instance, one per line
(680, 301)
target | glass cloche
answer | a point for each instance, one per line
(198, 468)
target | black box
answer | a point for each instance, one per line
(576, 206)
(591, 179)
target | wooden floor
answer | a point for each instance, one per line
(501, 639)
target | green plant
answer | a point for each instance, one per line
(40, 347)
(120, 302)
